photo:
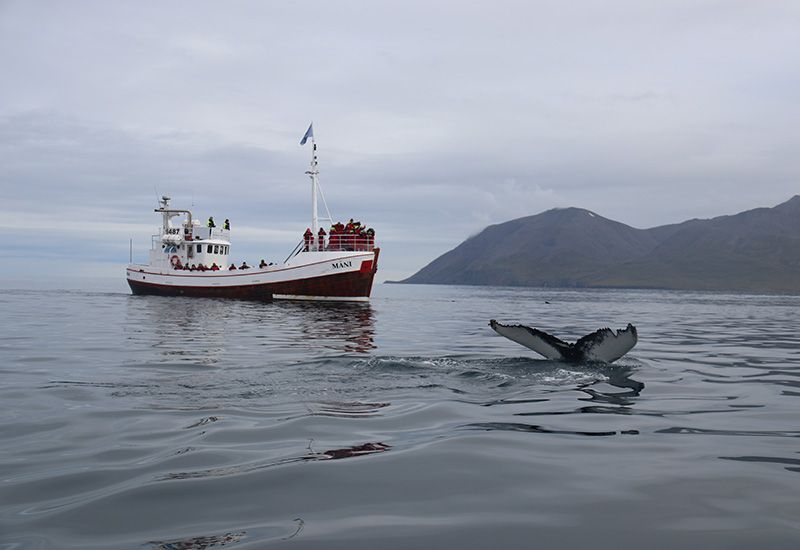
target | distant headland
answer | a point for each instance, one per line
(754, 251)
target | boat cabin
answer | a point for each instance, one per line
(187, 242)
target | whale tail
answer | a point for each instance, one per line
(603, 345)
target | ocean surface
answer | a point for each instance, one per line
(175, 423)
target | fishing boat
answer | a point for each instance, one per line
(189, 259)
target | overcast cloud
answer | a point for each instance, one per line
(434, 119)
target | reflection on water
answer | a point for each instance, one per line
(533, 428)
(179, 329)
(199, 543)
(350, 452)
(791, 464)
(340, 409)
(614, 402)
(618, 377)
(350, 322)
(205, 331)
(310, 455)
(258, 535)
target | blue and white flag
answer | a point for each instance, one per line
(309, 134)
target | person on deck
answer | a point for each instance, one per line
(214, 267)
(370, 238)
(333, 237)
(244, 266)
(308, 239)
(226, 224)
(262, 264)
(211, 223)
(322, 238)
(232, 267)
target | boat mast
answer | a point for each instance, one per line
(313, 173)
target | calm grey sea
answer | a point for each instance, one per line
(174, 423)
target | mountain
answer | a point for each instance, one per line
(756, 251)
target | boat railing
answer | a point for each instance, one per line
(202, 233)
(338, 243)
(348, 241)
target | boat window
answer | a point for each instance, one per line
(216, 249)
(226, 249)
(208, 249)
(199, 248)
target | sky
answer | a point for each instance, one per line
(433, 119)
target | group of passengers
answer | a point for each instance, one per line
(197, 267)
(262, 264)
(349, 236)
(214, 267)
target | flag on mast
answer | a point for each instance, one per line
(309, 134)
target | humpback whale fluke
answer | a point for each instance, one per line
(601, 345)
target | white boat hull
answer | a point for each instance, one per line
(326, 275)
